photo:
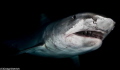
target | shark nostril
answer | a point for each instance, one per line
(94, 18)
(94, 22)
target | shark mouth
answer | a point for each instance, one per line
(93, 34)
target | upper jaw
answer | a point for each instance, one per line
(91, 33)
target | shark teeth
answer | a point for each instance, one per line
(93, 34)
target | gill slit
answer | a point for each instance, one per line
(48, 48)
(53, 37)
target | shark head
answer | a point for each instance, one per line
(77, 34)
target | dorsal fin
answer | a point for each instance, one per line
(44, 19)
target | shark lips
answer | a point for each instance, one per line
(93, 34)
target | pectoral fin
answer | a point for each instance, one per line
(76, 60)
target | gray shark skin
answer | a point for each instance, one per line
(68, 37)
(72, 36)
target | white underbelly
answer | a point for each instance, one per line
(46, 52)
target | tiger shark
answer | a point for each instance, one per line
(67, 38)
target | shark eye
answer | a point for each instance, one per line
(73, 17)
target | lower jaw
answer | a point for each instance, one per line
(90, 37)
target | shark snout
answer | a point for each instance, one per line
(104, 24)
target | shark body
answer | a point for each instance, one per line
(68, 37)
(74, 35)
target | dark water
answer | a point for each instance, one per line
(23, 20)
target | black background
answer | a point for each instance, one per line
(22, 18)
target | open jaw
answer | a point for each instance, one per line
(92, 34)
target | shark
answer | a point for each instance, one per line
(68, 37)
